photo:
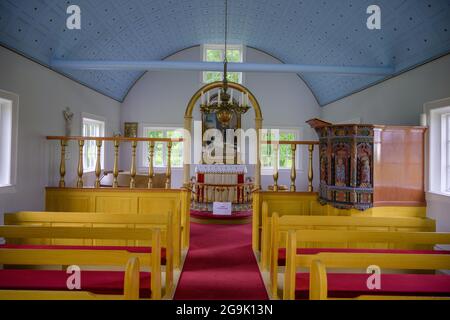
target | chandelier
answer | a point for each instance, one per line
(224, 106)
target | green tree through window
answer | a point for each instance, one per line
(216, 54)
(284, 150)
(160, 151)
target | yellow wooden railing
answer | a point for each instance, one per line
(117, 141)
(293, 176)
(100, 141)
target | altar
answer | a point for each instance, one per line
(221, 183)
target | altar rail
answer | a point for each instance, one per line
(240, 193)
(116, 141)
(293, 144)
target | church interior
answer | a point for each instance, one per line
(224, 150)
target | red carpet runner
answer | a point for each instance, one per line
(220, 265)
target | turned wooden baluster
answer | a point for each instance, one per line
(80, 164)
(293, 170)
(239, 194)
(310, 168)
(195, 194)
(151, 153)
(275, 166)
(168, 170)
(62, 165)
(116, 164)
(201, 193)
(207, 198)
(98, 166)
(133, 165)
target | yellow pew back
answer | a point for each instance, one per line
(162, 221)
(23, 233)
(80, 257)
(287, 221)
(357, 260)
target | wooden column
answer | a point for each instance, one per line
(98, 166)
(133, 165)
(187, 138)
(116, 164)
(293, 169)
(258, 127)
(62, 165)
(310, 168)
(151, 152)
(80, 164)
(169, 169)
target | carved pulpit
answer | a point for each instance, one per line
(362, 166)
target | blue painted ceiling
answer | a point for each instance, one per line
(326, 32)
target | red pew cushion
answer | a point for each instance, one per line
(351, 285)
(99, 282)
(282, 252)
(87, 247)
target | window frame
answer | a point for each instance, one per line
(221, 47)
(143, 157)
(266, 170)
(95, 120)
(445, 148)
(13, 100)
(437, 147)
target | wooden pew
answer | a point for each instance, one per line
(388, 259)
(333, 222)
(126, 201)
(86, 219)
(306, 204)
(62, 257)
(280, 225)
(131, 279)
(151, 259)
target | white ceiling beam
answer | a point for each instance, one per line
(217, 66)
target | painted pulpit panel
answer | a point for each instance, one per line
(348, 178)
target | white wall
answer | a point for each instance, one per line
(160, 98)
(43, 95)
(400, 101)
(397, 101)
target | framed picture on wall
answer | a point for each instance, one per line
(131, 129)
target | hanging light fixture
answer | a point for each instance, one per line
(225, 106)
